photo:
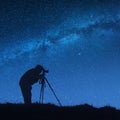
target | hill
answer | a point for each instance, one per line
(52, 112)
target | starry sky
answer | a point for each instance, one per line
(78, 41)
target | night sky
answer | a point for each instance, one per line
(78, 41)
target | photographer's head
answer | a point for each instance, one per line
(40, 68)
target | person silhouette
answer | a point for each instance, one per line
(29, 78)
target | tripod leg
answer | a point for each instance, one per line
(41, 94)
(42, 97)
(53, 92)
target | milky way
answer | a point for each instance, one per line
(79, 42)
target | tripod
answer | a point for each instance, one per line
(42, 91)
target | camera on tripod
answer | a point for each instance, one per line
(46, 71)
(42, 82)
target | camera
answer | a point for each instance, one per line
(46, 71)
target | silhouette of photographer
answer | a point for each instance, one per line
(29, 78)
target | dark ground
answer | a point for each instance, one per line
(52, 112)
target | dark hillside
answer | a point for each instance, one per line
(52, 112)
